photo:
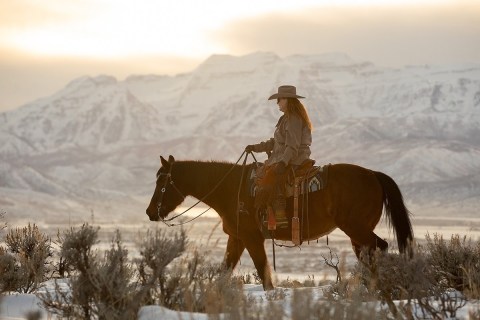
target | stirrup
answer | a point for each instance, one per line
(282, 223)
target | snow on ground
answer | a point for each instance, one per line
(208, 234)
(16, 306)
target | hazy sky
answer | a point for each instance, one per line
(46, 43)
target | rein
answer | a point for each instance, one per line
(169, 178)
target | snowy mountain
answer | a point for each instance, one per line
(99, 136)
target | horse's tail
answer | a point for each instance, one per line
(397, 213)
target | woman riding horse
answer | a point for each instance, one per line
(289, 147)
(353, 199)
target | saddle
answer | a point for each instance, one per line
(304, 179)
(262, 180)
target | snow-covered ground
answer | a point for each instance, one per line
(207, 234)
(16, 306)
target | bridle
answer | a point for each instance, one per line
(170, 181)
(164, 189)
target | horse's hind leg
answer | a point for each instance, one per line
(364, 238)
(235, 248)
(379, 243)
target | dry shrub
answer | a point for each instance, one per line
(115, 296)
(387, 277)
(333, 262)
(474, 314)
(101, 288)
(472, 274)
(3, 225)
(456, 263)
(191, 283)
(2, 269)
(33, 315)
(158, 250)
(272, 310)
(395, 277)
(25, 262)
(61, 265)
(111, 287)
(290, 283)
(309, 282)
(10, 277)
(249, 278)
(275, 294)
(75, 301)
(304, 306)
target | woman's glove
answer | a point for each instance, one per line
(249, 148)
(280, 168)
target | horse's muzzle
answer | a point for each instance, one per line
(152, 215)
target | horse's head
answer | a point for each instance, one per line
(166, 196)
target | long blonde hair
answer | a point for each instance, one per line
(295, 106)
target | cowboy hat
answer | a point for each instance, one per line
(285, 92)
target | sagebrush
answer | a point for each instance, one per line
(435, 283)
(25, 260)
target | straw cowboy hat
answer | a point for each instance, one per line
(285, 92)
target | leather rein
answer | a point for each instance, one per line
(170, 181)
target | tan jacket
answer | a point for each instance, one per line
(290, 143)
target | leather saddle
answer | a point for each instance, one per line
(265, 181)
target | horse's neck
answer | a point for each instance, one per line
(200, 178)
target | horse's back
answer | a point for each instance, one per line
(357, 195)
(349, 168)
(352, 175)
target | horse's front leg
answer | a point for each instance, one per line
(235, 248)
(254, 244)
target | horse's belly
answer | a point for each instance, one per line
(317, 230)
(315, 236)
(308, 234)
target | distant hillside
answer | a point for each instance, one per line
(99, 136)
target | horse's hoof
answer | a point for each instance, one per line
(268, 287)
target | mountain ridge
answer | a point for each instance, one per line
(419, 124)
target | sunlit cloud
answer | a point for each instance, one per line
(109, 28)
(122, 28)
(386, 35)
(46, 43)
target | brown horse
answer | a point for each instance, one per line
(352, 201)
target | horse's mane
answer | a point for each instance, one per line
(212, 171)
(205, 161)
(208, 165)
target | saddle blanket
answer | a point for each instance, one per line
(314, 180)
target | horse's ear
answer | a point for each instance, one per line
(164, 162)
(171, 159)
